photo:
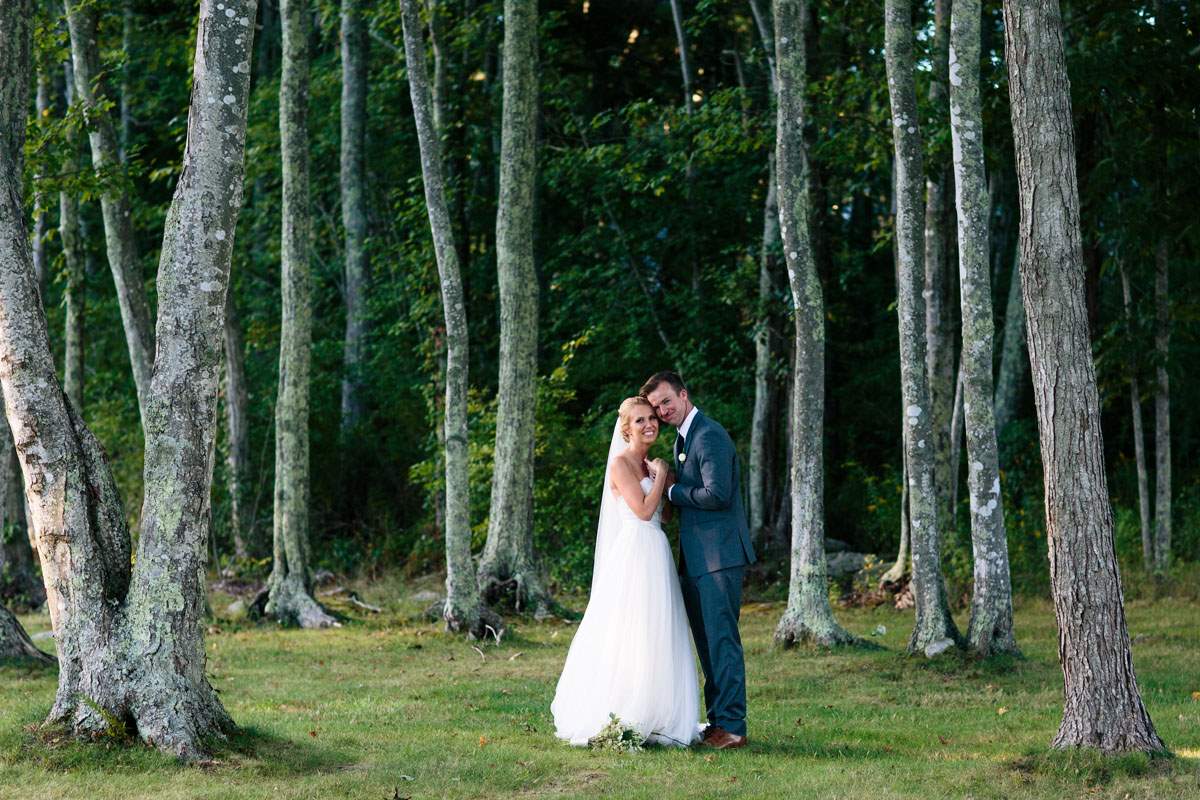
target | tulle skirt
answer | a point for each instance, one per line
(632, 655)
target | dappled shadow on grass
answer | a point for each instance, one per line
(11, 669)
(56, 750)
(1094, 769)
(272, 755)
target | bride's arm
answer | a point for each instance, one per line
(630, 489)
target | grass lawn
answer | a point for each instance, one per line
(390, 707)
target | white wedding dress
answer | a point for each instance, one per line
(632, 655)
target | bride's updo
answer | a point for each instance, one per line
(625, 414)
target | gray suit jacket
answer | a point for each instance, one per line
(713, 533)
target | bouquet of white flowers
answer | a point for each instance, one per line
(617, 736)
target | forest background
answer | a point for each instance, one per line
(649, 247)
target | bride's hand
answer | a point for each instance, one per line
(656, 467)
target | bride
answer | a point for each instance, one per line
(632, 655)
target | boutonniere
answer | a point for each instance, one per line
(682, 457)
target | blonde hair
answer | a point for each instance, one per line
(625, 413)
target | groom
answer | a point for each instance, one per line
(714, 549)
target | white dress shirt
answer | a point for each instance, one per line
(683, 431)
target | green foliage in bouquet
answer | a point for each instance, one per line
(617, 737)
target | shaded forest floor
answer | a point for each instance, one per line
(388, 706)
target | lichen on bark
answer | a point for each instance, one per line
(934, 624)
(131, 640)
(808, 617)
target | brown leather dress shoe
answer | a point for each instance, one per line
(718, 738)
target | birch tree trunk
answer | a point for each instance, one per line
(1013, 360)
(463, 611)
(808, 617)
(508, 558)
(236, 419)
(1103, 707)
(1162, 412)
(131, 642)
(1139, 436)
(289, 598)
(354, 211)
(939, 312)
(991, 626)
(763, 385)
(115, 205)
(934, 630)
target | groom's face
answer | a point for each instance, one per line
(671, 407)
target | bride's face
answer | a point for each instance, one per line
(643, 425)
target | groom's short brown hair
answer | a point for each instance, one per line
(666, 376)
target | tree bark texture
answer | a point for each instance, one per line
(934, 624)
(1139, 436)
(74, 263)
(15, 644)
(290, 585)
(1014, 362)
(939, 286)
(899, 568)
(20, 584)
(508, 556)
(760, 424)
(1162, 411)
(991, 626)
(115, 205)
(808, 617)
(463, 610)
(1103, 708)
(131, 641)
(237, 423)
(41, 220)
(354, 208)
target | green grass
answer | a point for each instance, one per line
(391, 707)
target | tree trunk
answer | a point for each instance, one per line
(508, 558)
(15, 644)
(1013, 360)
(1103, 707)
(127, 26)
(899, 569)
(1139, 436)
(354, 211)
(290, 585)
(939, 311)
(768, 40)
(20, 585)
(74, 262)
(991, 627)
(463, 610)
(760, 442)
(808, 617)
(1162, 413)
(934, 626)
(115, 205)
(236, 420)
(131, 642)
(685, 69)
(41, 222)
